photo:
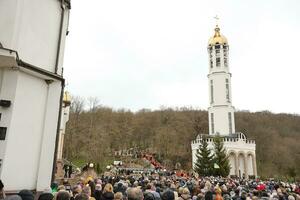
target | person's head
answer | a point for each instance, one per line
(135, 194)
(63, 195)
(218, 190)
(98, 187)
(185, 191)
(87, 190)
(149, 196)
(108, 188)
(148, 186)
(208, 196)
(290, 197)
(82, 196)
(77, 189)
(168, 195)
(46, 196)
(26, 195)
(118, 196)
(61, 188)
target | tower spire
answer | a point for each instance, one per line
(217, 29)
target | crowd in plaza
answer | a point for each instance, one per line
(163, 187)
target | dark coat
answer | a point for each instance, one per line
(107, 196)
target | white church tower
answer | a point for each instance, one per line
(221, 112)
(240, 150)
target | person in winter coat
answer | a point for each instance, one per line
(98, 191)
(108, 192)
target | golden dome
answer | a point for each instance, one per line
(217, 38)
(67, 98)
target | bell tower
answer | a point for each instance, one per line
(220, 111)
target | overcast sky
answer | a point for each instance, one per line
(148, 54)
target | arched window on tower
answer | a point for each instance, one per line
(212, 123)
(230, 122)
(211, 91)
(225, 53)
(218, 59)
(210, 58)
(227, 90)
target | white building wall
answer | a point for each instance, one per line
(34, 24)
(31, 28)
(220, 102)
(236, 145)
(221, 119)
(24, 140)
(49, 136)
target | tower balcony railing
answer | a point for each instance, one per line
(225, 139)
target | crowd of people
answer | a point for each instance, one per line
(164, 187)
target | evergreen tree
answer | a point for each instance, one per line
(221, 160)
(204, 163)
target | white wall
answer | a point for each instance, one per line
(32, 28)
(235, 145)
(24, 134)
(31, 135)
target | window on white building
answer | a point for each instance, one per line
(218, 61)
(210, 59)
(225, 59)
(227, 90)
(230, 122)
(217, 52)
(2, 133)
(211, 91)
(212, 122)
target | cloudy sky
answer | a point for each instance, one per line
(146, 54)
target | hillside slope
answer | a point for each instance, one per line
(95, 134)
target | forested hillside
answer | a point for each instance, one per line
(95, 133)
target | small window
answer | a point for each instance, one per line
(218, 62)
(225, 58)
(230, 122)
(212, 122)
(2, 133)
(211, 91)
(227, 90)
